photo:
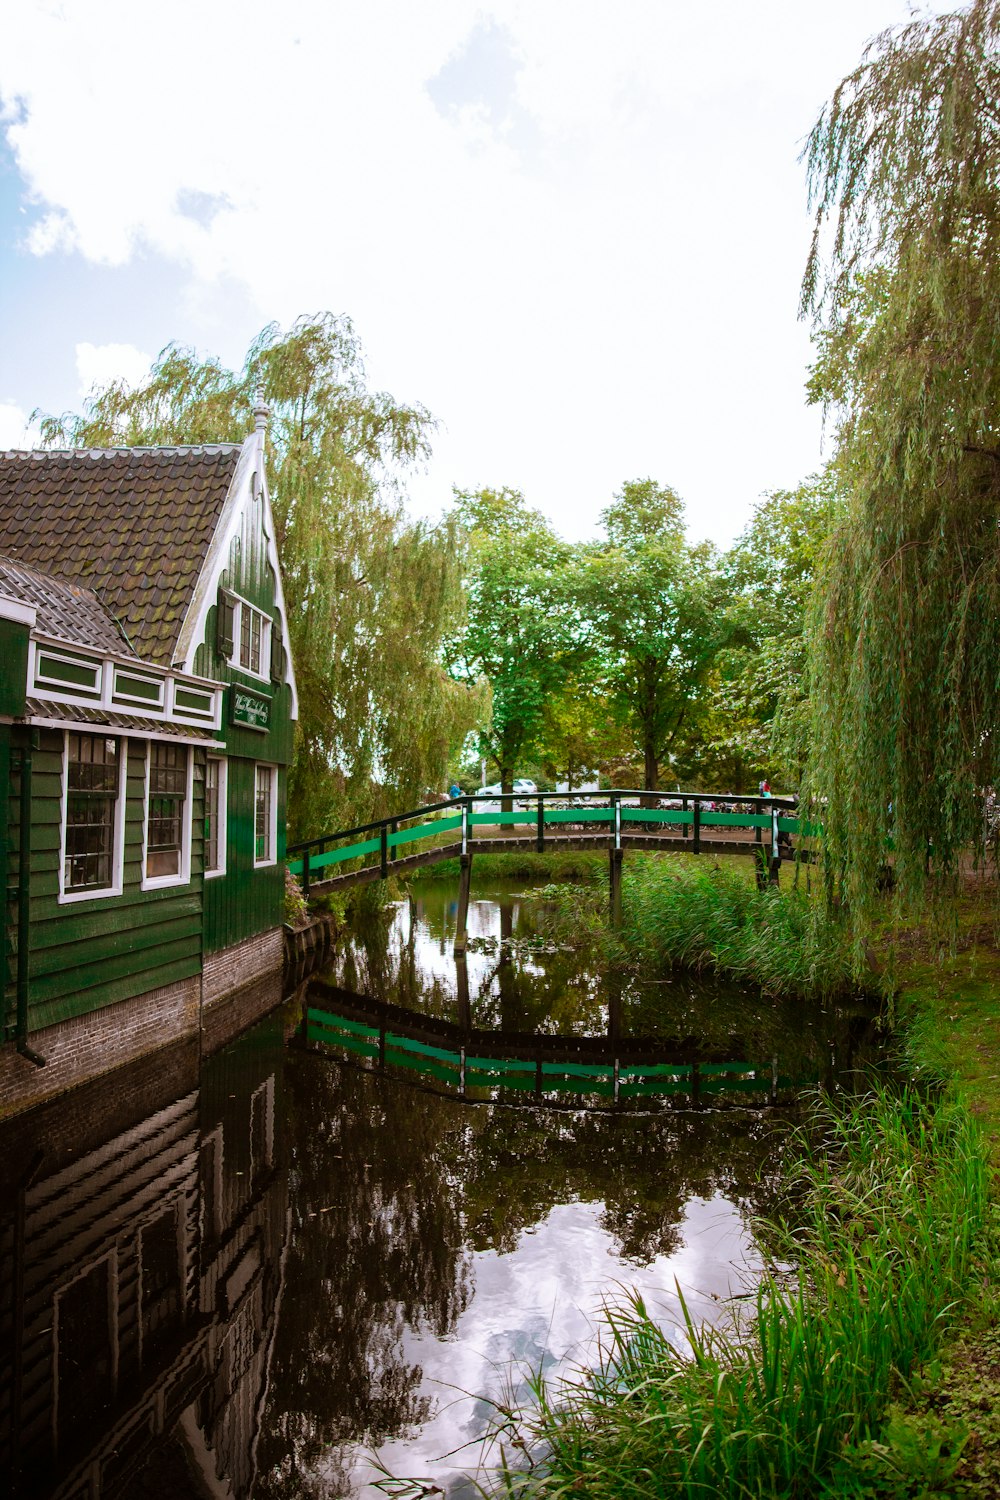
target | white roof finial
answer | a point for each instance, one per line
(261, 410)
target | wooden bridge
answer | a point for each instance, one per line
(763, 828)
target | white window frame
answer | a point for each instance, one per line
(264, 675)
(261, 864)
(223, 832)
(66, 896)
(158, 882)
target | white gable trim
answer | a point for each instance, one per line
(241, 490)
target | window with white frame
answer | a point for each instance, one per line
(265, 816)
(251, 640)
(90, 832)
(215, 816)
(166, 811)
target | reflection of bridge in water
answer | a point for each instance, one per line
(764, 828)
(480, 1065)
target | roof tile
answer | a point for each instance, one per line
(65, 610)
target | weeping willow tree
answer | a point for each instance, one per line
(904, 281)
(370, 593)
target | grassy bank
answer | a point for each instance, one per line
(949, 1008)
(693, 915)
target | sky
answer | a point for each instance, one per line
(574, 231)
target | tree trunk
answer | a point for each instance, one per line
(506, 785)
(651, 769)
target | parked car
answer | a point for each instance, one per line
(522, 787)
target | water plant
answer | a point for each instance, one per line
(768, 1405)
(679, 913)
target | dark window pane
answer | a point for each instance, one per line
(262, 818)
(165, 813)
(92, 792)
(213, 779)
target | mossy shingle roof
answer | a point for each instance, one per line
(133, 525)
(65, 610)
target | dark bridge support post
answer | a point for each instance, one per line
(462, 978)
(462, 919)
(615, 870)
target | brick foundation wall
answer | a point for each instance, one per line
(243, 964)
(232, 1013)
(81, 1049)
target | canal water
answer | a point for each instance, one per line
(337, 1248)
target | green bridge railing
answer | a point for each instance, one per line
(688, 816)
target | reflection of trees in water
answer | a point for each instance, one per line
(549, 992)
(380, 962)
(552, 989)
(394, 1188)
(376, 1247)
(524, 989)
(516, 1164)
(803, 1036)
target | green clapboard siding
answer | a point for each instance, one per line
(246, 899)
(87, 954)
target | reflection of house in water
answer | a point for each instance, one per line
(142, 1226)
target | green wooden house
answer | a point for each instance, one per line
(147, 701)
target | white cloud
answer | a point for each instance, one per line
(575, 233)
(15, 427)
(100, 364)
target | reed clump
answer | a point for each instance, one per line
(679, 915)
(774, 1404)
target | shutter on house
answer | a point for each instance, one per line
(277, 652)
(225, 617)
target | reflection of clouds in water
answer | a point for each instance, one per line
(434, 942)
(540, 1307)
(410, 959)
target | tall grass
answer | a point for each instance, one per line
(766, 1408)
(714, 918)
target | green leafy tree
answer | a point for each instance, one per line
(761, 700)
(657, 620)
(521, 633)
(370, 593)
(582, 737)
(904, 280)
